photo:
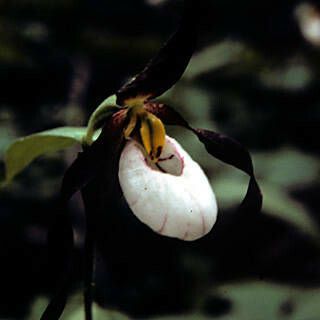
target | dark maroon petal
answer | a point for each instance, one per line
(232, 152)
(167, 67)
(60, 247)
(100, 159)
(226, 149)
(221, 147)
(166, 114)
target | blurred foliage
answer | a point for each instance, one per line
(261, 301)
(74, 310)
(280, 172)
(251, 300)
(255, 77)
(24, 150)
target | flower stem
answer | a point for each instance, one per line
(89, 251)
(89, 273)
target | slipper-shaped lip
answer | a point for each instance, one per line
(173, 197)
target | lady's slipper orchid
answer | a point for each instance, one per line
(163, 186)
(173, 197)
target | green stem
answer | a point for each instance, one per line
(89, 249)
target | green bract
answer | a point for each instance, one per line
(24, 150)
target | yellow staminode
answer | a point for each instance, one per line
(152, 131)
(152, 135)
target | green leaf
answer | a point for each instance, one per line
(97, 313)
(287, 167)
(75, 310)
(230, 189)
(217, 56)
(265, 301)
(288, 76)
(193, 102)
(262, 301)
(280, 204)
(37, 308)
(24, 150)
(194, 316)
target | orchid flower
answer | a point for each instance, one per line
(163, 186)
(172, 196)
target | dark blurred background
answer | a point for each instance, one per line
(255, 76)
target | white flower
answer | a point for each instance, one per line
(173, 197)
(308, 17)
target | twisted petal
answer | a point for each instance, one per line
(173, 197)
(221, 147)
(167, 67)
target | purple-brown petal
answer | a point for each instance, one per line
(221, 147)
(232, 152)
(167, 67)
(98, 162)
